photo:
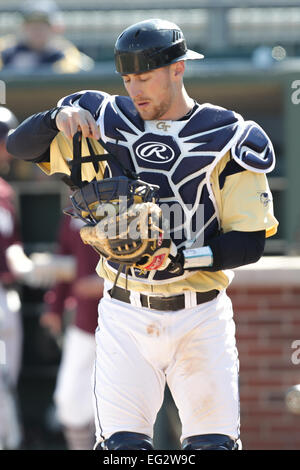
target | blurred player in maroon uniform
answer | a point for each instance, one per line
(10, 323)
(73, 394)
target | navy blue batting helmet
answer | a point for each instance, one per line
(151, 44)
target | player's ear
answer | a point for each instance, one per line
(178, 69)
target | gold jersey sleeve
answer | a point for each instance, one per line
(245, 201)
(61, 153)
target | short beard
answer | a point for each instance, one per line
(158, 111)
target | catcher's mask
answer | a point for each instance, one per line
(88, 200)
(151, 44)
(120, 192)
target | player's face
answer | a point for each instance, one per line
(37, 34)
(151, 92)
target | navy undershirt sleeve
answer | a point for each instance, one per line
(32, 138)
(234, 249)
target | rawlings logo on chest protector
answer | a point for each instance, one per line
(156, 149)
(155, 152)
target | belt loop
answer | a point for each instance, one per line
(135, 299)
(190, 298)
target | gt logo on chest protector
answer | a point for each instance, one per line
(163, 126)
(155, 152)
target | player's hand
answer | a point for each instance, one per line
(174, 262)
(70, 120)
(52, 321)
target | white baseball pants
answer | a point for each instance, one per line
(193, 350)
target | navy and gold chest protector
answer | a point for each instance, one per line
(179, 156)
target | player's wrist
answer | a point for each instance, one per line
(197, 257)
(53, 113)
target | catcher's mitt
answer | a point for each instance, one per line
(124, 222)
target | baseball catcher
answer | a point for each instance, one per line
(174, 195)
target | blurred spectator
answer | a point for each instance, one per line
(73, 394)
(40, 44)
(10, 321)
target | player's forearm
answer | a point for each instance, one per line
(32, 138)
(227, 251)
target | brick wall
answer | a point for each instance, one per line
(266, 302)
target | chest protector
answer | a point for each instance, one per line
(179, 156)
